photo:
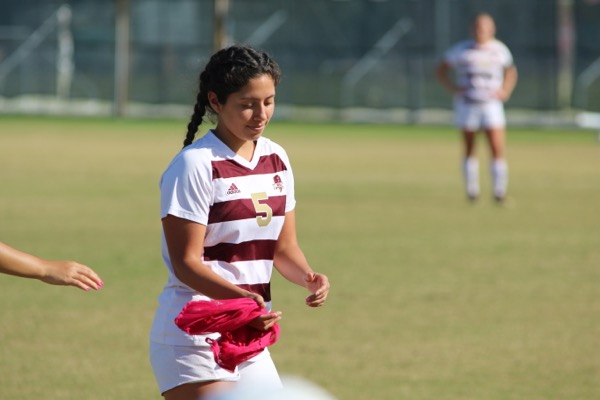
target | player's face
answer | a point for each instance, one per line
(484, 29)
(246, 112)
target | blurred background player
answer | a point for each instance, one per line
(485, 77)
(68, 273)
(227, 209)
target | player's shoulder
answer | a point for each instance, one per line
(457, 50)
(462, 45)
(502, 49)
(197, 155)
(499, 44)
(269, 147)
(205, 149)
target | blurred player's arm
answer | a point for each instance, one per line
(68, 273)
(442, 72)
(509, 83)
(292, 264)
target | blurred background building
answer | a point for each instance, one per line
(342, 59)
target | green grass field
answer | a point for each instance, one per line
(432, 298)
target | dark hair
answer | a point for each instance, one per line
(481, 14)
(227, 71)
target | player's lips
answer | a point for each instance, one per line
(257, 128)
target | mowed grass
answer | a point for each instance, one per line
(432, 298)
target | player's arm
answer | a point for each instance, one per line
(67, 273)
(509, 83)
(292, 264)
(185, 242)
(442, 72)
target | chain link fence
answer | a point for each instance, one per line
(336, 55)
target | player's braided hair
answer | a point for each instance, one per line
(227, 71)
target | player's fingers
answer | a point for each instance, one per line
(318, 295)
(89, 283)
(92, 278)
(274, 316)
(74, 274)
(316, 301)
(315, 304)
(81, 285)
(86, 278)
(271, 322)
(323, 289)
(266, 321)
(310, 277)
(257, 298)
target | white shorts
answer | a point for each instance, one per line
(473, 116)
(177, 365)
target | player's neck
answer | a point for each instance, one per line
(483, 42)
(243, 148)
(246, 150)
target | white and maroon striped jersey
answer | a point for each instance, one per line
(479, 68)
(243, 205)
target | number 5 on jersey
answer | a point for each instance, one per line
(263, 211)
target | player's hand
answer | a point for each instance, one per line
(266, 321)
(502, 95)
(71, 273)
(318, 285)
(257, 298)
(458, 91)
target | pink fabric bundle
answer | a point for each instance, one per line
(238, 342)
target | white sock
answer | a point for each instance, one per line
(499, 170)
(471, 175)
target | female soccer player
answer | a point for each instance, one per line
(227, 209)
(485, 79)
(68, 273)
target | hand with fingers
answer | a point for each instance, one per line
(66, 273)
(257, 298)
(71, 273)
(318, 285)
(266, 321)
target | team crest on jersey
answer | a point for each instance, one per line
(277, 183)
(233, 189)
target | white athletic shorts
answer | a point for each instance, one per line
(177, 365)
(473, 116)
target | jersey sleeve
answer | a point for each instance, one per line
(451, 55)
(290, 200)
(507, 57)
(185, 188)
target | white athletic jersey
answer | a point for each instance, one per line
(243, 205)
(479, 68)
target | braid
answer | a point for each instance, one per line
(227, 71)
(199, 111)
(195, 121)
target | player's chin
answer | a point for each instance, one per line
(255, 131)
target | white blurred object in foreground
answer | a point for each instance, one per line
(294, 388)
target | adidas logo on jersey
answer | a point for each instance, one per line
(233, 189)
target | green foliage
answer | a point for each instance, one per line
(432, 297)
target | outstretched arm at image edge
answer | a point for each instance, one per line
(67, 273)
(293, 266)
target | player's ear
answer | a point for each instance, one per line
(213, 101)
